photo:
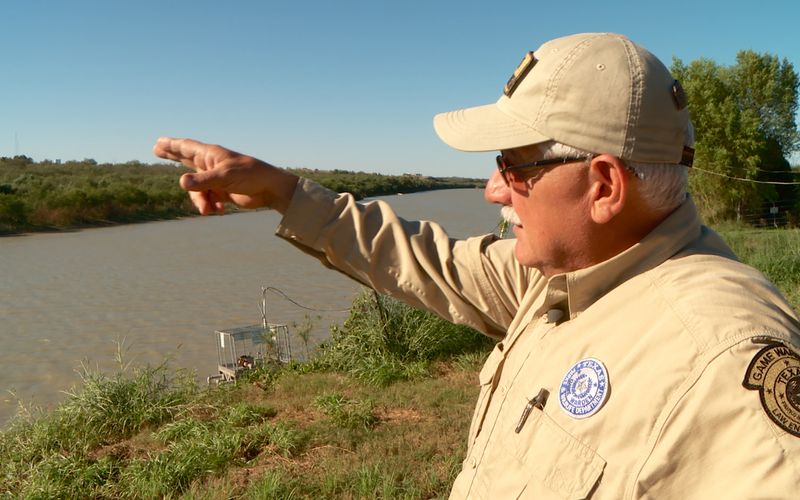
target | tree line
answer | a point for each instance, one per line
(41, 196)
(47, 195)
(745, 131)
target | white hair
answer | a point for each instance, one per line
(662, 186)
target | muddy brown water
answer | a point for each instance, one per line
(161, 289)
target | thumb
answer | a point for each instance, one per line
(201, 181)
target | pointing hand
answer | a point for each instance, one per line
(221, 175)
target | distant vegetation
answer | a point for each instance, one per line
(42, 196)
(363, 185)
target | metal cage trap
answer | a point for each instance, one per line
(247, 347)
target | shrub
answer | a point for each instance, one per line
(13, 211)
(384, 340)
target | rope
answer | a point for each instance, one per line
(746, 180)
(283, 294)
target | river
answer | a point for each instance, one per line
(159, 290)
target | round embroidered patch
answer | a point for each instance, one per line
(584, 388)
(775, 373)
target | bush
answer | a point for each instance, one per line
(384, 340)
(45, 195)
(13, 211)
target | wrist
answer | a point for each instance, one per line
(281, 189)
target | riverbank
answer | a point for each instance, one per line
(380, 411)
(46, 197)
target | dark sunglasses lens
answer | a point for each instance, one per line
(501, 167)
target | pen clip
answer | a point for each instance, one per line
(538, 401)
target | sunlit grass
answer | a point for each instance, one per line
(384, 341)
(774, 252)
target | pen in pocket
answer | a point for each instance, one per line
(537, 402)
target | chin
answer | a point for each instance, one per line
(523, 255)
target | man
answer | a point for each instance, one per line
(636, 356)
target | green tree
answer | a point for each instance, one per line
(744, 127)
(769, 87)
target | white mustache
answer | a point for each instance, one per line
(510, 216)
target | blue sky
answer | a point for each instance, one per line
(319, 84)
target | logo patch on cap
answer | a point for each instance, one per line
(528, 62)
(584, 388)
(775, 373)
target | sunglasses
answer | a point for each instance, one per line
(507, 171)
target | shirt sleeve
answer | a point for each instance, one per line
(476, 282)
(720, 442)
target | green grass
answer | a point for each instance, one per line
(775, 252)
(383, 341)
(404, 441)
(50, 454)
(347, 413)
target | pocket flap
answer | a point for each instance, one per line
(556, 460)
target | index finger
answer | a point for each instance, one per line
(187, 151)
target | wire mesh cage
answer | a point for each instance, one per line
(246, 347)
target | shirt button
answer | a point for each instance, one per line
(553, 316)
(473, 462)
(503, 389)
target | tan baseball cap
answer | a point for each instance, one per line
(599, 92)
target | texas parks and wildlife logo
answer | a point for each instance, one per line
(584, 389)
(775, 373)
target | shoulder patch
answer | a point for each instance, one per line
(775, 373)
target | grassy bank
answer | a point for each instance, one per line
(46, 196)
(314, 434)
(381, 411)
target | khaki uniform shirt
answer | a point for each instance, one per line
(675, 321)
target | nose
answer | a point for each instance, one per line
(496, 190)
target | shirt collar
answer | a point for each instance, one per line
(585, 286)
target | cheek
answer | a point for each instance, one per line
(534, 208)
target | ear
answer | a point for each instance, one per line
(608, 188)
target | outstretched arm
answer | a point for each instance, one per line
(473, 282)
(221, 175)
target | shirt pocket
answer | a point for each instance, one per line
(486, 378)
(546, 462)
